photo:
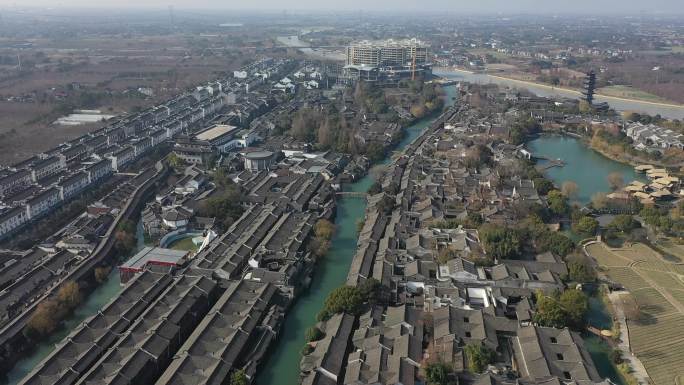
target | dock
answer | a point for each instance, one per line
(551, 162)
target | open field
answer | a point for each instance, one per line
(657, 285)
(20, 139)
(628, 92)
(98, 72)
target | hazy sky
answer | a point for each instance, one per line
(489, 6)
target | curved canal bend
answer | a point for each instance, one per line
(282, 366)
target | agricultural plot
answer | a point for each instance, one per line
(627, 277)
(678, 295)
(654, 265)
(659, 344)
(652, 303)
(657, 286)
(638, 252)
(605, 257)
(663, 364)
(663, 279)
(675, 250)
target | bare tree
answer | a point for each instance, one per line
(615, 180)
(599, 200)
(570, 189)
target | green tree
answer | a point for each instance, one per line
(554, 242)
(623, 223)
(558, 203)
(478, 357)
(175, 161)
(239, 377)
(344, 299)
(375, 152)
(225, 207)
(586, 226)
(543, 185)
(579, 271)
(314, 334)
(437, 373)
(372, 291)
(575, 305)
(500, 242)
(549, 311)
(567, 309)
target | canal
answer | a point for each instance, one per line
(667, 111)
(584, 166)
(92, 304)
(282, 367)
(599, 350)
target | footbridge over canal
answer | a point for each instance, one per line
(550, 162)
(351, 194)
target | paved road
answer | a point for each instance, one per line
(639, 372)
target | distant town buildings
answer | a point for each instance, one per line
(650, 136)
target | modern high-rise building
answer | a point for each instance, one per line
(388, 53)
(387, 61)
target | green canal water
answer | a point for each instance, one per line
(92, 304)
(100, 296)
(584, 166)
(599, 350)
(282, 367)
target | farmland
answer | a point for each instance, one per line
(657, 285)
(104, 72)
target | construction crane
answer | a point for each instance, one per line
(413, 63)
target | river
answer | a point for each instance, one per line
(282, 367)
(667, 111)
(584, 166)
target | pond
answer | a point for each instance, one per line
(584, 166)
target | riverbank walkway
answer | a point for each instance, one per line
(638, 369)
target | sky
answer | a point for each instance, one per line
(470, 6)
